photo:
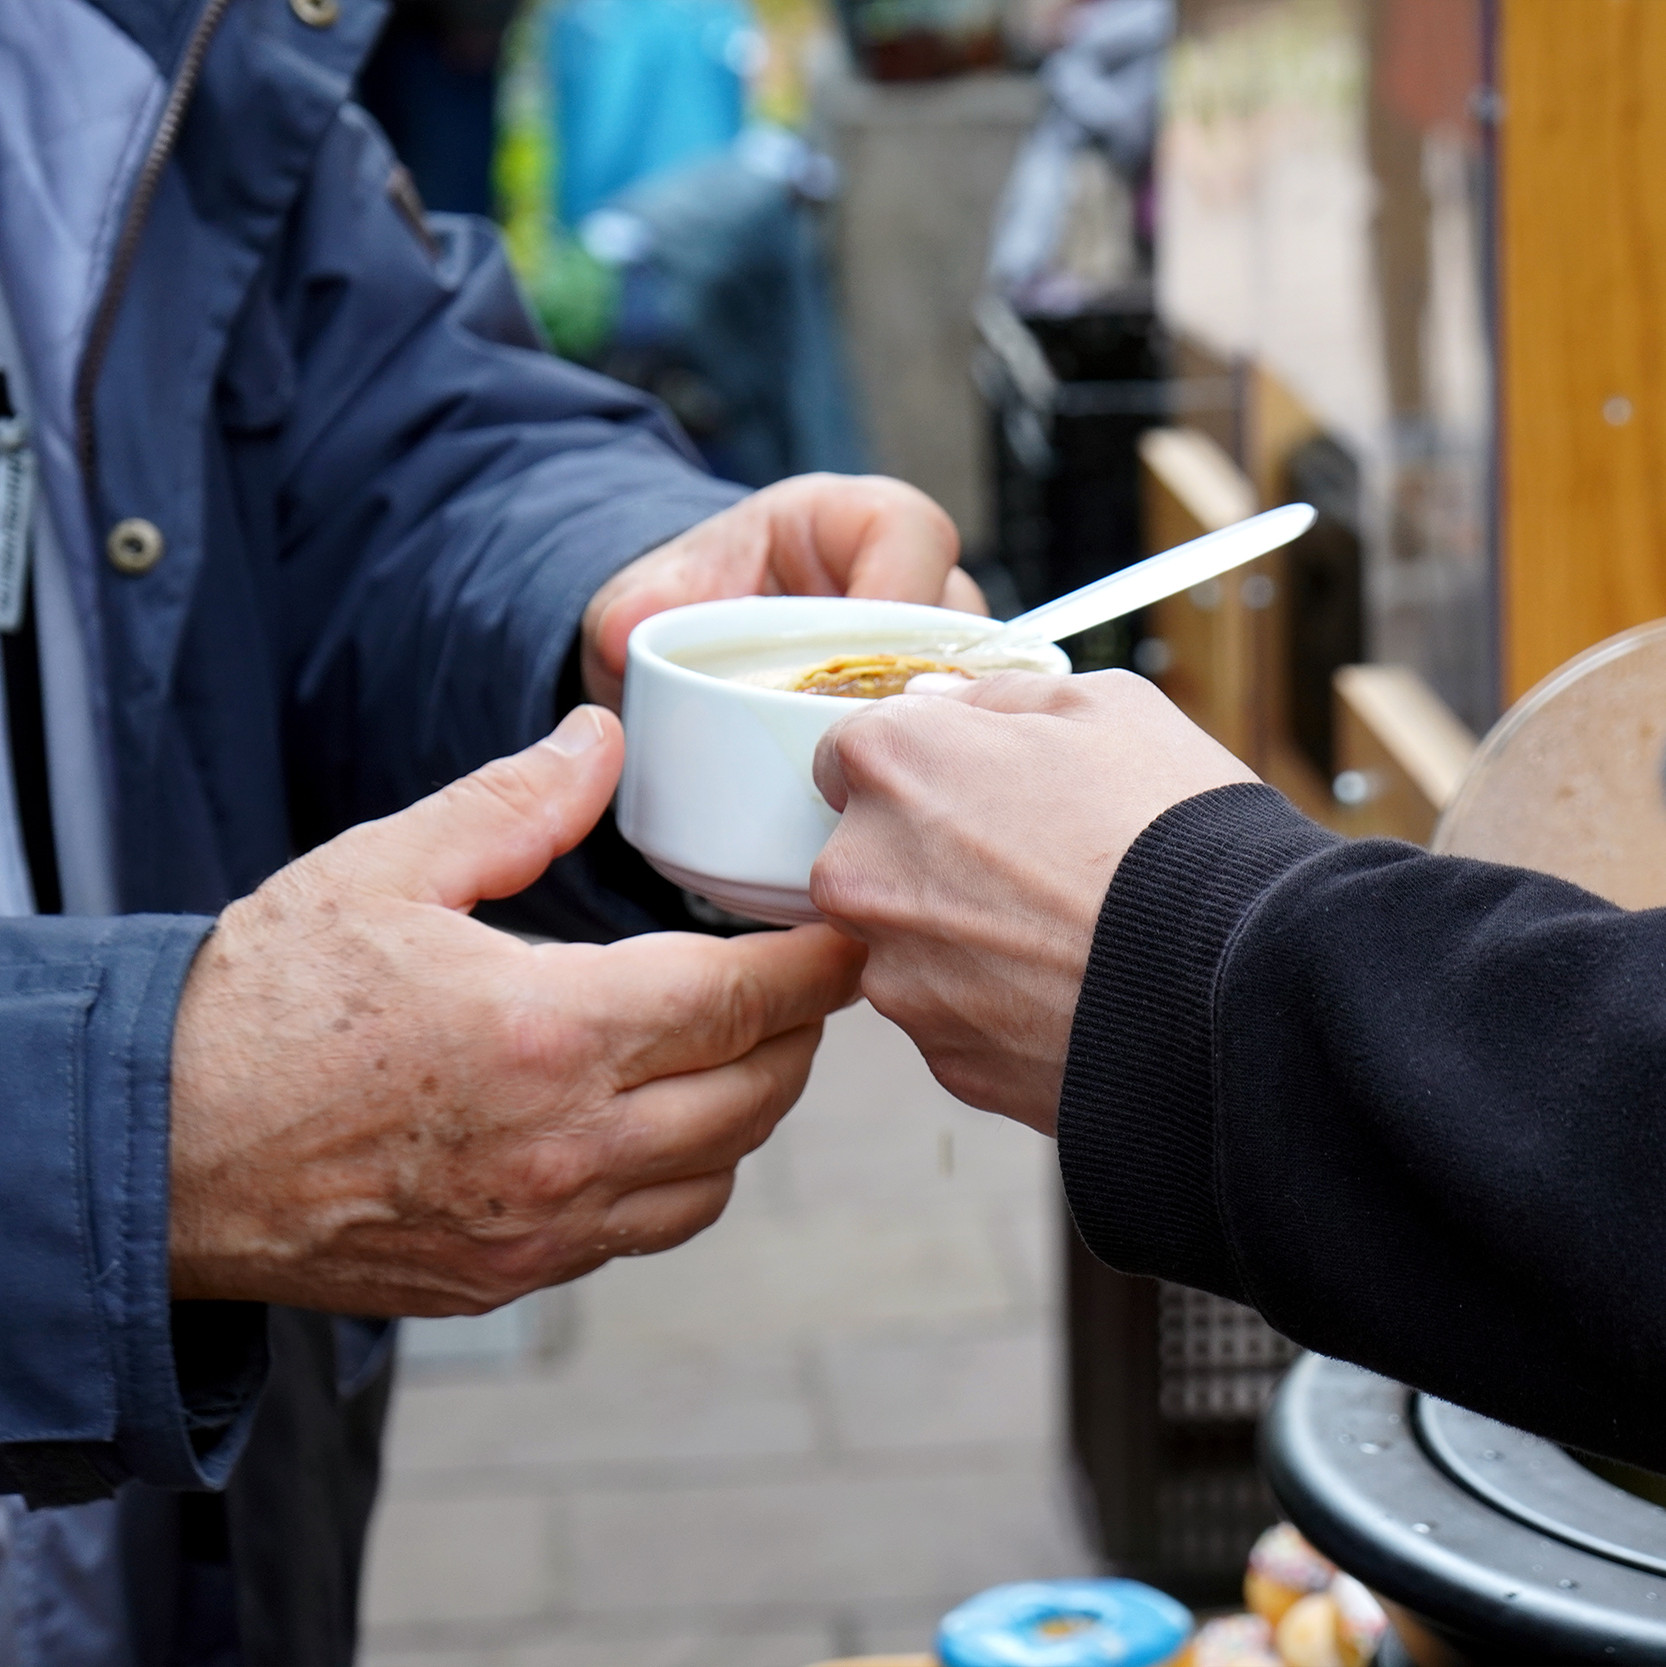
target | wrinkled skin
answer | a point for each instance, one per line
(381, 1106)
(982, 825)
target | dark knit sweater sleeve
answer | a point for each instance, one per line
(1137, 1136)
(1412, 1108)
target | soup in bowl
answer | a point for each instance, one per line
(724, 704)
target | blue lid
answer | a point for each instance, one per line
(1064, 1623)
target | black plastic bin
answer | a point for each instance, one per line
(1166, 1386)
(1068, 399)
(1325, 571)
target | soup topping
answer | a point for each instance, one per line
(868, 676)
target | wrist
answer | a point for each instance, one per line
(1137, 1115)
(209, 1097)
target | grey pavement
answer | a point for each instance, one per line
(806, 1434)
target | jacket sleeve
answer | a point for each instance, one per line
(448, 495)
(1412, 1108)
(101, 1376)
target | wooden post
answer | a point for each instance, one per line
(1193, 487)
(1404, 749)
(1582, 363)
(1224, 642)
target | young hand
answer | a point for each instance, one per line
(980, 832)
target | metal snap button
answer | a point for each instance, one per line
(316, 14)
(134, 545)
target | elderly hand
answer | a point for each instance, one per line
(381, 1106)
(817, 535)
(980, 833)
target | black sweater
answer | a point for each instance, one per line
(1412, 1108)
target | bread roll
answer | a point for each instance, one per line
(1306, 1637)
(1283, 1567)
(1360, 1621)
(1231, 1641)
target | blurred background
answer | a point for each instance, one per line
(1099, 275)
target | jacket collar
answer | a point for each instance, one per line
(159, 27)
(269, 88)
(79, 101)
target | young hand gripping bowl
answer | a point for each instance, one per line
(724, 705)
(974, 850)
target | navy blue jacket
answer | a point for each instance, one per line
(384, 509)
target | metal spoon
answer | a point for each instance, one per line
(1148, 581)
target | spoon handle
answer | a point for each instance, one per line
(1154, 578)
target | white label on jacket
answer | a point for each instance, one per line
(17, 503)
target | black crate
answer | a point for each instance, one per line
(1068, 399)
(1325, 571)
(1166, 1385)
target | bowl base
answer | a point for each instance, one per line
(773, 905)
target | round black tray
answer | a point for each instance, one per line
(1502, 1546)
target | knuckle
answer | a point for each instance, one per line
(763, 1087)
(958, 1075)
(897, 998)
(901, 497)
(996, 685)
(870, 747)
(839, 884)
(761, 1098)
(1116, 688)
(558, 1173)
(780, 1079)
(1034, 691)
(741, 1003)
(510, 784)
(855, 749)
(941, 521)
(707, 1201)
(716, 1000)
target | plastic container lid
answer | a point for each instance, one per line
(1064, 1623)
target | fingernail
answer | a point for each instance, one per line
(934, 683)
(578, 732)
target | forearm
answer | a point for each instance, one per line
(445, 496)
(450, 649)
(1409, 1107)
(100, 1376)
(440, 543)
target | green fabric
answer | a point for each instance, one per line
(575, 296)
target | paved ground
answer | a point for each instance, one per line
(806, 1434)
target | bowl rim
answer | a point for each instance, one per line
(639, 644)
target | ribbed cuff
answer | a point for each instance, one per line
(1137, 1116)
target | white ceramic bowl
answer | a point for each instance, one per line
(718, 792)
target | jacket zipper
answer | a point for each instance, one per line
(162, 145)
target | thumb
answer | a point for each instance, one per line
(494, 831)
